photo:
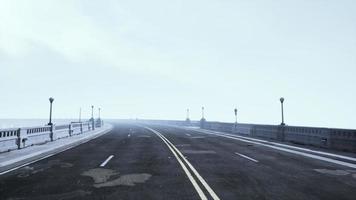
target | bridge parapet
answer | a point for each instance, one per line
(9, 138)
(17, 138)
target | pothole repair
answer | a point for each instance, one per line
(100, 175)
(110, 178)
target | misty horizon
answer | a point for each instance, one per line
(155, 60)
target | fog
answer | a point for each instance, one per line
(154, 59)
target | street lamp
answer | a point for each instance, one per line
(235, 115)
(282, 100)
(51, 99)
(92, 118)
(187, 120)
(99, 112)
(203, 120)
(80, 114)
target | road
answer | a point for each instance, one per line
(161, 162)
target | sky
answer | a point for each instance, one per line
(154, 59)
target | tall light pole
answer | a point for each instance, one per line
(235, 110)
(92, 118)
(187, 120)
(51, 99)
(99, 112)
(203, 120)
(80, 114)
(282, 100)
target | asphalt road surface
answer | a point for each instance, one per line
(162, 162)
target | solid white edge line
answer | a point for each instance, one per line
(106, 161)
(288, 150)
(205, 184)
(18, 167)
(249, 158)
(187, 172)
(289, 146)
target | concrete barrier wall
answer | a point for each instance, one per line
(85, 127)
(61, 131)
(337, 139)
(75, 129)
(319, 137)
(342, 139)
(37, 135)
(8, 139)
(17, 138)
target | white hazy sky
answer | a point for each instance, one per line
(154, 59)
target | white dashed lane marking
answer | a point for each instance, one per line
(106, 161)
(249, 158)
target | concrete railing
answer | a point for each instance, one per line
(9, 138)
(331, 138)
(337, 139)
(17, 138)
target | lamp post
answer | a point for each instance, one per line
(80, 114)
(51, 99)
(100, 122)
(188, 114)
(203, 120)
(235, 110)
(282, 100)
(92, 118)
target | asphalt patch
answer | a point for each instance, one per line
(100, 175)
(27, 171)
(126, 180)
(109, 178)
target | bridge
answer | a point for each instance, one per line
(166, 159)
